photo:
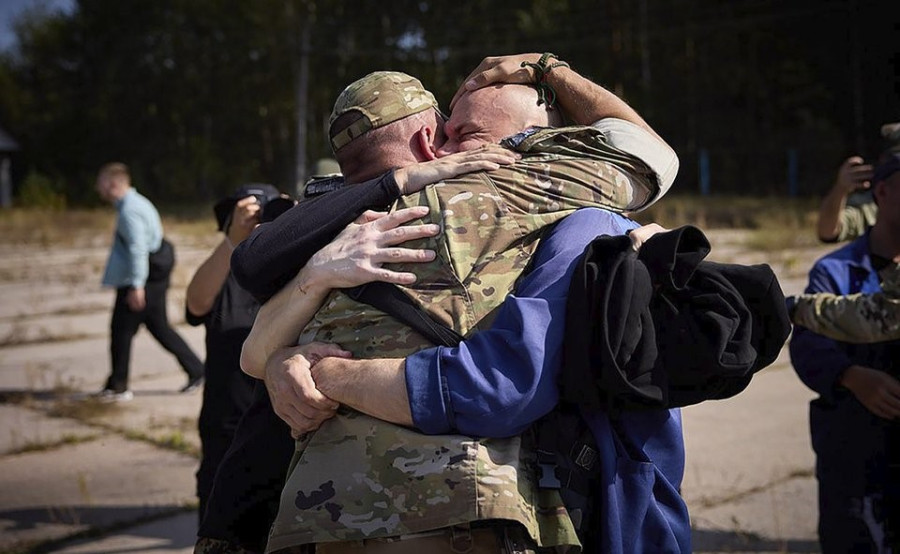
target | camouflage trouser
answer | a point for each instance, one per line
(501, 539)
(206, 545)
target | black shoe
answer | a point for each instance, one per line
(192, 385)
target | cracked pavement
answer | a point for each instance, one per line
(80, 477)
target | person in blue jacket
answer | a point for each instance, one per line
(859, 393)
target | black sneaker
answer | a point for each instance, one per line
(192, 385)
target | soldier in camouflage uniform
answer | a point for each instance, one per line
(359, 477)
(848, 209)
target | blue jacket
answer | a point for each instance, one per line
(501, 380)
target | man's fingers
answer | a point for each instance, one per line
(319, 350)
(369, 216)
(491, 152)
(398, 218)
(891, 404)
(406, 233)
(308, 412)
(292, 417)
(479, 165)
(307, 394)
(395, 277)
(402, 255)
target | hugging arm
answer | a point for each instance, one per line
(274, 253)
(856, 318)
(497, 381)
(353, 258)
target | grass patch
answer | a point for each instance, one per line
(732, 212)
(87, 409)
(775, 223)
(43, 446)
(46, 227)
(84, 309)
(174, 441)
(93, 411)
(19, 337)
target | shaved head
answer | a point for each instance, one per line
(490, 114)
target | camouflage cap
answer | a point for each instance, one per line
(381, 97)
(890, 132)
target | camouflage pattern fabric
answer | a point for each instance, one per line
(382, 97)
(855, 318)
(206, 545)
(854, 220)
(358, 477)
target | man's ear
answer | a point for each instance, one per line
(424, 142)
(878, 191)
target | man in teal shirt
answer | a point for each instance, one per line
(139, 265)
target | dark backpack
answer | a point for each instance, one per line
(161, 262)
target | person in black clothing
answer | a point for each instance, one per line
(215, 300)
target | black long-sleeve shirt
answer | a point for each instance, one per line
(273, 254)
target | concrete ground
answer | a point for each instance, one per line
(81, 477)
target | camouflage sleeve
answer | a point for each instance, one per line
(854, 220)
(855, 318)
(571, 167)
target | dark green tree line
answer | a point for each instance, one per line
(200, 95)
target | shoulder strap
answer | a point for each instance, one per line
(391, 300)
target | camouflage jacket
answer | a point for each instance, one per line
(358, 477)
(855, 219)
(856, 318)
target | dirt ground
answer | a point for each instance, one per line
(72, 468)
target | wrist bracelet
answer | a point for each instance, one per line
(546, 93)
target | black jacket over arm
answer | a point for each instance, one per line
(662, 328)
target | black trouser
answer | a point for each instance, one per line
(125, 324)
(247, 488)
(226, 398)
(214, 444)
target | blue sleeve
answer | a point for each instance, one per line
(818, 360)
(136, 235)
(498, 381)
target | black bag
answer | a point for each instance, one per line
(161, 262)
